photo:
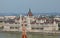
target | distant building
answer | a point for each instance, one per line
(29, 13)
(32, 23)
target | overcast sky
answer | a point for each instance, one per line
(22, 6)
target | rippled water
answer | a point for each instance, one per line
(30, 35)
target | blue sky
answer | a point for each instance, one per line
(22, 6)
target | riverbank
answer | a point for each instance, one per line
(29, 35)
(39, 33)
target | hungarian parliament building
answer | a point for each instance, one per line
(32, 23)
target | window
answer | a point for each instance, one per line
(58, 25)
(59, 28)
(41, 28)
(11, 27)
(37, 28)
(21, 24)
(25, 24)
(15, 23)
(1, 21)
(16, 27)
(33, 28)
(2, 27)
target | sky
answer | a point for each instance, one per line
(22, 6)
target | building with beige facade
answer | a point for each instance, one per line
(32, 23)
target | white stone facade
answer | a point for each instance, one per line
(39, 26)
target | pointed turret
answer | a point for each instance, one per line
(30, 13)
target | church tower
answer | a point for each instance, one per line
(30, 13)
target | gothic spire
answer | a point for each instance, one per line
(30, 13)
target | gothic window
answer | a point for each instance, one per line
(11, 27)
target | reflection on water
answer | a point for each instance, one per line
(30, 35)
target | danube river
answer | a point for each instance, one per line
(29, 35)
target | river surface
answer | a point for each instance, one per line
(29, 35)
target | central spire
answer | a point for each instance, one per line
(30, 13)
(29, 10)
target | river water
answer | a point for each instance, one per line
(29, 35)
